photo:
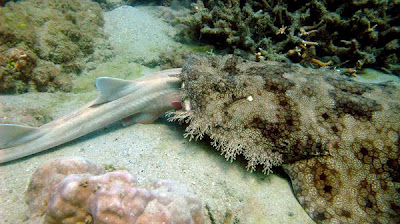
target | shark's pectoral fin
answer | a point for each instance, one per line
(111, 89)
(142, 118)
(11, 135)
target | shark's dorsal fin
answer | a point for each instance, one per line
(10, 134)
(110, 89)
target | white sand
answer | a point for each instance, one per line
(135, 33)
(154, 151)
(158, 151)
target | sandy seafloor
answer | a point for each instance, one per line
(150, 151)
(158, 151)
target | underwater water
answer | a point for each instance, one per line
(319, 133)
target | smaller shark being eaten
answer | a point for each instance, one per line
(139, 101)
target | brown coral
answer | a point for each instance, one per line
(338, 138)
(20, 71)
(16, 66)
(57, 37)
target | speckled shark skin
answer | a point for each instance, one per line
(138, 101)
(337, 139)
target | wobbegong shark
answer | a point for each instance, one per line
(337, 139)
(139, 101)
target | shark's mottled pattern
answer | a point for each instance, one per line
(139, 101)
(338, 139)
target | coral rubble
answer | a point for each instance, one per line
(346, 33)
(76, 190)
(339, 139)
(41, 42)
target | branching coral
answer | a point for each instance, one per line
(350, 34)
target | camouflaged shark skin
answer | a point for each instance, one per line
(338, 139)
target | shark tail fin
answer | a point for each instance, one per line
(12, 135)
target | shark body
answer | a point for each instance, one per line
(139, 101)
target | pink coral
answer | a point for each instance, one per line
(113, 198)
(47, 177)
(170, 198)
